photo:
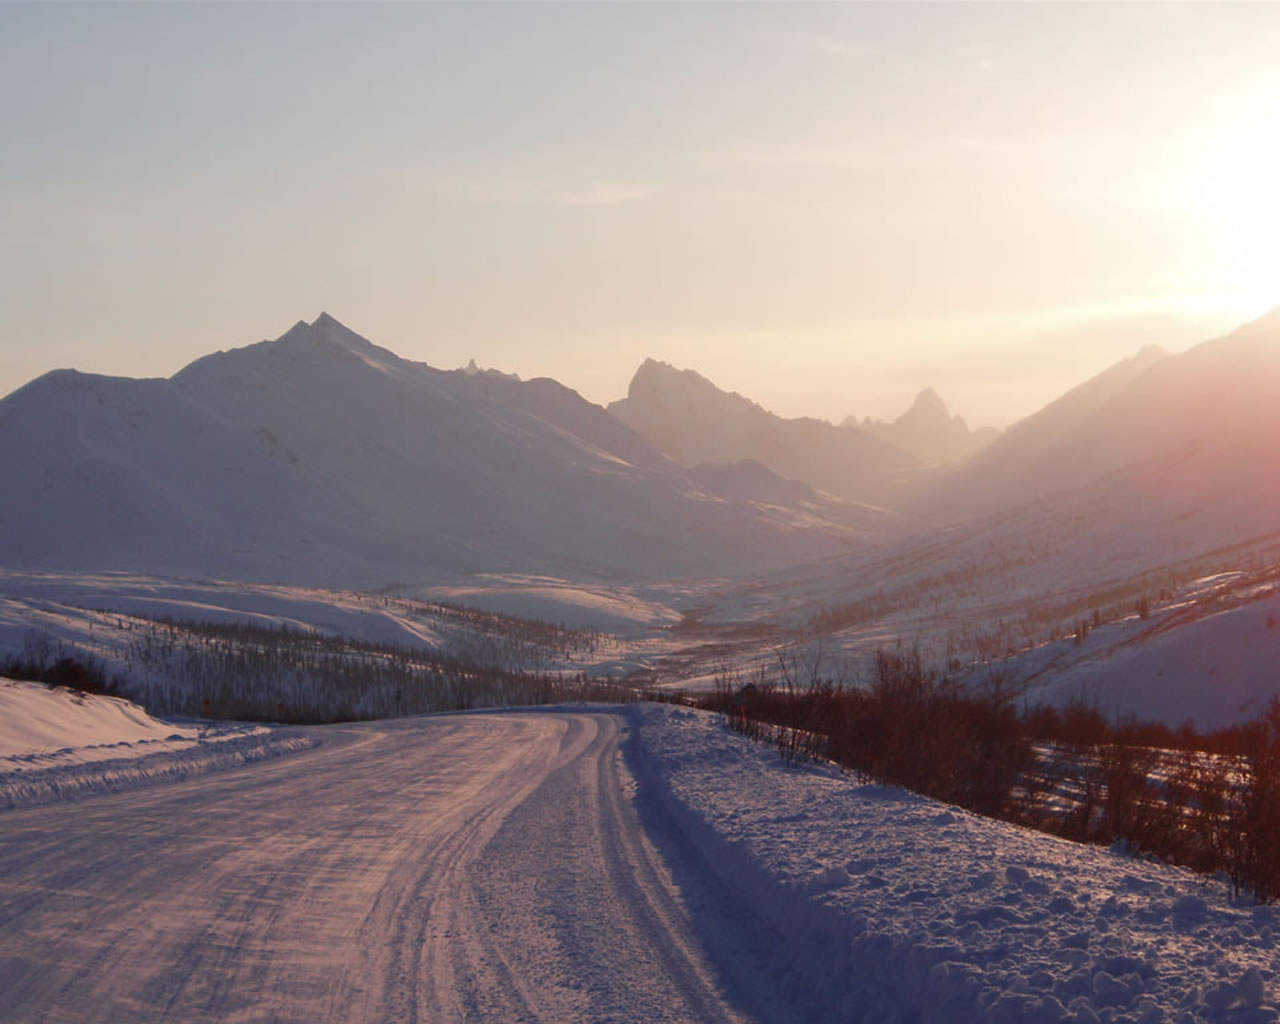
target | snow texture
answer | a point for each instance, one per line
(1210, 660)
(56, 744)
(634, 864)
(892, 907)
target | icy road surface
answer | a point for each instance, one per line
(469, 867)
(604, 866)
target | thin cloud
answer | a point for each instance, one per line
(789, 153)
(480, 189)
(486, 190)
(606, 195)
(833, 46)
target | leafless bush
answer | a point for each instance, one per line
(251, 672)
(1211, 803)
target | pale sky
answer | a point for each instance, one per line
(826, 207)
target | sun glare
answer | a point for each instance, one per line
(1238, 188)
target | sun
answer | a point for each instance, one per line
(1238, 186)
(1249, 200)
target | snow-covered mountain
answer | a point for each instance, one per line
(1192, 435)
(1042, 452)
(320, 458)
(686, 416)
(1161, 461)
(928, 432)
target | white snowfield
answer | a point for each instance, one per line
(591, 864)
(56, 744)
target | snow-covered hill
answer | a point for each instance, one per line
(57, 744)
(1208, 657)
(322, 459)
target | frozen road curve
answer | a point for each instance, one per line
(486, 867)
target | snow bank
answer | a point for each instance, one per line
(891, 907)
(56, 744)
(37, 721)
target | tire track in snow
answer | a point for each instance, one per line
(574, 901)
(484, 866)
(436, 939)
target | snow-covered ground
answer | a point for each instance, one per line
(550, 599)
(1207, 656)
(96, 613)
(892, 907)
(1205, 653)
(624, 864)
(57, 744)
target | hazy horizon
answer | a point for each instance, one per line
(824, 208)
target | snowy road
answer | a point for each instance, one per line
(470, 867)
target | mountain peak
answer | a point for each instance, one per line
(474, 369)
(323, 342)
(693, 421)
(655, 378)
(323, 326)
(326, 332)
(657, 368)
(928, 403)
(928, 432)
(334, 330)
(299, 330)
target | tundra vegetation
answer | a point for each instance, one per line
(281, 673)
(1208, 801)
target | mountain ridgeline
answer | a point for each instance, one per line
(320, 458)
(686, 416)
(1183, 447)
(928, 432)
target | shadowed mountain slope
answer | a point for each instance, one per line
(1157, 459)
(690, 419)
(320, 458)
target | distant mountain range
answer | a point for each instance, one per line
(320, 458)
(928, 432)
(684, 415)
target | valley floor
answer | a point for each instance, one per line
(589, 864)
